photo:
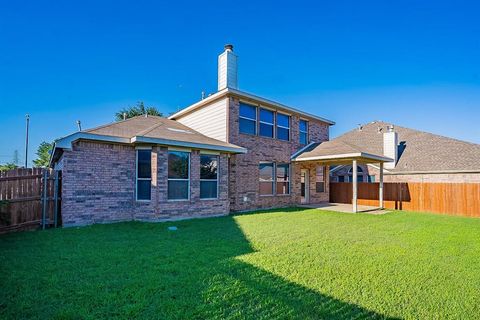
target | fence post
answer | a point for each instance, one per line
(55, 199)
(44, 206)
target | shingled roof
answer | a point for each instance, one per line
(149, 130)
(418, 151)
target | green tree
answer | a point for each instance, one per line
(8, 166)
(136, 110)
(43, 154)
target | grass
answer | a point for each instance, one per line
(304, 264)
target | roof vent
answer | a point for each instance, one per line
(390, 128)
(360, 127)
(379, 129)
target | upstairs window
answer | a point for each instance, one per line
(303, 131)
(248, 119)
(283, 179)
(283, 127)
(266, 123)
(208, 176)
(266, 178)
(178, 175)
(144, 174)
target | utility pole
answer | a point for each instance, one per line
(27, 119)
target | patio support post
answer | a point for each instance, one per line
(355, 185)
(380, 187)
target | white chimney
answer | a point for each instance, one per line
(227, 69)
(390, 147)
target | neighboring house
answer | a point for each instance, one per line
(232, 151)
(418, 156)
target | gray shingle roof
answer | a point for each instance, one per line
(418, 151)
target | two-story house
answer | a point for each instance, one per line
(232, 151)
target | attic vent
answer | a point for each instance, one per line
(379, 129)
(180, 130)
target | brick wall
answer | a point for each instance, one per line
(99, 186)
(244, 171)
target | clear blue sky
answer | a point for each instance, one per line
(413, 63)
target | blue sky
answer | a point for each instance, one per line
(413, 63)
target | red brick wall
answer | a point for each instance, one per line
(99, 186)
(244, 172)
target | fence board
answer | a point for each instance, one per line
(443, 198)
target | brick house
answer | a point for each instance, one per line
(232, 151)
(417, 156)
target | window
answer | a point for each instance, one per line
(266, 178)
(320, 179)
(283, 127)
(266, 123)
(208, 176)
(144, 174)
(371, 179)
(341, 178)
(178, 175)
(303, 131)
(283, 179)
(359, 174)
(248, 119)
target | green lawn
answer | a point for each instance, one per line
(304, 264)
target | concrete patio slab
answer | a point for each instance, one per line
(345, 208)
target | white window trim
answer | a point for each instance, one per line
(283, 127)
(267, 123)
(142, 179)
(176, 179)
(306, 132)
(218, 173)
(273, 179)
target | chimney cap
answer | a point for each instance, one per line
(229, 47)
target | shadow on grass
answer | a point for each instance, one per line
(142, 270)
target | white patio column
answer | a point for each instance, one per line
(355, 185)
(380, 187)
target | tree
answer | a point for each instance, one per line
(8, 166)
(136, 110)
(43, 154)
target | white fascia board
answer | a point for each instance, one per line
(167, 142)
(198, 104)
(347, 156)
(433, 172)
(66, 142)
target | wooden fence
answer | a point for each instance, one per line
(21, 199)
(444, 198)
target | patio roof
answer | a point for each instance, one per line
(336, 152)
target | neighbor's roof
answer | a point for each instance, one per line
(248, 97)
(151, 130)
(418, 151)
(337, 152)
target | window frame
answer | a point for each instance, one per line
(288, 179)
(210, 180)
(273, 123)
(307, 124)
(283, 127)
(273, 181)
(324, 181)
(256, 120)
(137, 150)
(176, 179)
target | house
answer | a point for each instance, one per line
(232, 151)
(417, 156)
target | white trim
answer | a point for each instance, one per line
(246, 95)
(432, 172)
(194, 145)
(301, 150)
(346, 156)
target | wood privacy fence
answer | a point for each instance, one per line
(445, 198)
(29, 199)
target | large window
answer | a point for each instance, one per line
(283, 127)
(178, 175)
(266, 178)
(144, 174)
(303, 128)
(248, 119)
(359, 174)
(283, 179)
(266, 123)
(208, 176)
(320, 179)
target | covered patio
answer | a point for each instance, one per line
(341, 153)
